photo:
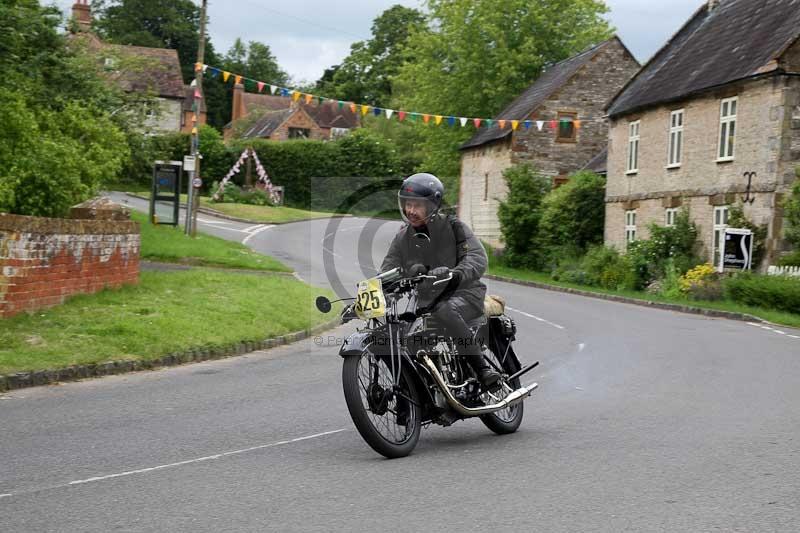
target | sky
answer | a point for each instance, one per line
(307, 36)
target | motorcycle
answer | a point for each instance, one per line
(401, 371)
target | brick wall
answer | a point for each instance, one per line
(300, 119)
(45, 260)
(764, 144)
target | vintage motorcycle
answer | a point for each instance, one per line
(401, 371)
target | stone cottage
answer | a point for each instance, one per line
(711, 121)
(567, 131)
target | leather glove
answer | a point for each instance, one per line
(439, 272)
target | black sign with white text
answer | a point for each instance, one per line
(737, 249)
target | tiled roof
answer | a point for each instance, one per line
(161, 71)
(548, 82)
(735, 40)
(598, 163)
(264, 126)
(328, 115)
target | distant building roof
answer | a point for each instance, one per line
(598, 163)
(329, 115)
(161, 71)
(548, 82)
(735, 40)
(326, 115)
(265, 125)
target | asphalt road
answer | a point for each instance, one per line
(645, 420)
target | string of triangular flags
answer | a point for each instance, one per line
(263, 177)
(401, 115)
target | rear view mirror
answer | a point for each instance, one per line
(323, 304)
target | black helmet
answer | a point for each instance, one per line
(421, 186)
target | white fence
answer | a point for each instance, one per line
(783, 271)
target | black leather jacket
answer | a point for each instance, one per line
(453, 245)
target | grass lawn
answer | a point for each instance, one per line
(166, 312)
(169, 244)
(776, 317)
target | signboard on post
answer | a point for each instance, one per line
(188, 163)
(736, 251)
(166, 193)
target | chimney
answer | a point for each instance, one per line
(238, 110)
(82, 14)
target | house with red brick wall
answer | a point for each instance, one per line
(266, 116)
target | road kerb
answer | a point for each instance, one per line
(36, 378)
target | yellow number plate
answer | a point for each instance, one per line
(370, 302)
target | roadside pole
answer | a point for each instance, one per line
(195, 179)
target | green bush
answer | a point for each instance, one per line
(520, 215)
(601, 266)
(792, 259)
(235, 194)
(648, 257)
(771, 292)
(737, 219)
(791, 210)
(574, 214)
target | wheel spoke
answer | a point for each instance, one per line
(374, 371)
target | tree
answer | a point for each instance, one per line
(474, 56)
(520, 216)
(574, 214)
(791, 208)
(366, 74)
(55, 148)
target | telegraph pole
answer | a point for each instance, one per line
(194, 200)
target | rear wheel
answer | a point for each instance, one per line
(387, 417)
(509, 419)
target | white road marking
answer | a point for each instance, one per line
(201, 459)
(209, 221)
(251, 229)
(255, 232)
(767, 328)
(581, 346)
(540, 319)
(4, 495)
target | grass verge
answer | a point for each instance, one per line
(166, 312)
(776, 317)
(169, 244)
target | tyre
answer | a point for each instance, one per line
(377, 413)
(506, 420)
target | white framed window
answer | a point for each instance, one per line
(671, 214)
(720, 223)
(633, 147)
(727, 128)
(675, 138)
(339, 132)
(630, 226)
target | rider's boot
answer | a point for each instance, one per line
(489, 379)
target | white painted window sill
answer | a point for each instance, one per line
(724, 159)
(675, 165)
(631, 172)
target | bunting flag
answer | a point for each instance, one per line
(197, 95)
(263, 177)
(354, 107)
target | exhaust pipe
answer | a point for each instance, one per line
(513, 398)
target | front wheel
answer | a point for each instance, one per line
(387, 417)
(509, 419)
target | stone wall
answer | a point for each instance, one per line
(45, 260)
(482, 187)
(764, 141)
(585, 94)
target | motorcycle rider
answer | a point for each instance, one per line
(451, 247)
